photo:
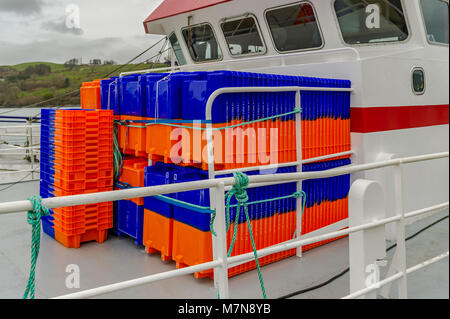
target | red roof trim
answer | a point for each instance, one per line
(171, 8)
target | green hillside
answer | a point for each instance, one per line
(29, 83)
(22, 67)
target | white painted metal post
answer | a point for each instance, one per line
(221, 271)
(211, 175)
(385, 177)
(366, 204)
(298, 142)
(401, 245)
(30, 127)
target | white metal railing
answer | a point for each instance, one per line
(218, 186)
(30, 148)
(280, 59)
(222, 262)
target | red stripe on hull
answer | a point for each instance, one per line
(379, 119)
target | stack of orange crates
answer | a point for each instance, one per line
(90, 95)
(180, 99)
(76, 158)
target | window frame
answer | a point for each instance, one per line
(215, 36)
(424, 24)
(289, 5)
(341, 35)
(182, 52)
(246, 15)
(418, 68)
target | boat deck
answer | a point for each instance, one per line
(118, 259)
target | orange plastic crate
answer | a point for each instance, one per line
(160, 144)
(74, 241)
(132, 140)
(133, 174)
(90, 95)
(320, 137)
(191, 246)
(158, 232)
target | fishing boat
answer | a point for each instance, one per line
(384, 63)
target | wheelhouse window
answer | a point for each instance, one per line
(294, 27)
(202, 43)
(243, 36)
(371, 21)
(435, 16)
(177, 49)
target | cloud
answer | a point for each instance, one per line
(66, 47)
(22, 7)
(61, 27)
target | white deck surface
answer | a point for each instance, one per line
(119, 259)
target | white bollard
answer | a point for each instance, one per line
(367, 247)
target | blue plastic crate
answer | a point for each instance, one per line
(130, 220)
(47, 226)
(251, 106)
(109, 96)
(168, 104)
(159, 174)
(201, 221)
(150, 92)
(132, 95)
(326, 189)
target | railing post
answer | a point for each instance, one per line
(366, 204)
(401, 245)
(30, 144)
(220, 272)
(298, 140)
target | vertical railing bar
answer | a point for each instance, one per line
(401, 245)
(211, 175)
(30, 122)
(298, 141)
(221, 271)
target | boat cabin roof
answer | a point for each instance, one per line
(169, 8)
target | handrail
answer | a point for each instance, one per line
(226, 63)
(30, 149)
(94, 198)
(221, 262)
(232, 261)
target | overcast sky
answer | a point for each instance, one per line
(36, 30)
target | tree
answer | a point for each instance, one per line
(42, 69)
(71, 63)
(66, 83)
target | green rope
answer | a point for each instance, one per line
(118, 158)
(297, 195)
(239, 191)
(34, 219)
(124, 122)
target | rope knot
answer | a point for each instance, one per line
(34, 219)
(239, 189)
(34, 216)
(299, 194)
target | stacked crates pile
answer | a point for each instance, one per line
(90, 95)
(76, 158)
(181, 233)
(129, 214)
